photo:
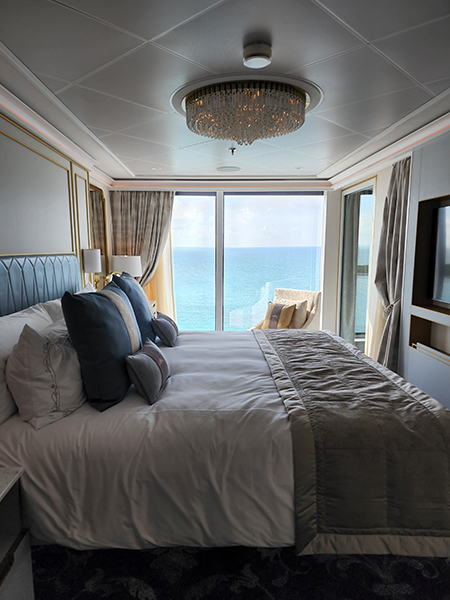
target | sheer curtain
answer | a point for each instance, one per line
(141, 225)
(390, 262)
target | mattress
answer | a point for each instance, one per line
(209, 464)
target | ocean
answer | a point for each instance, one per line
(250, 278)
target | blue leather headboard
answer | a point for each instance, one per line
(27, 280)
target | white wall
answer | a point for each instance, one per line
(330, 261)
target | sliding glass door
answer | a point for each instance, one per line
(230, 252)
(355, 265)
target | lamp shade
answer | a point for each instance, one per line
(92, 260)
(129, 264)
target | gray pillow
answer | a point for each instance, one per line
(148, 370)
(166, 329)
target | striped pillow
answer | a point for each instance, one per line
(278, 316)
(148, 370)
(103, 331)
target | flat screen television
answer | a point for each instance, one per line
(440, 268)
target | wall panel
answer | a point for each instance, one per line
(43, 196)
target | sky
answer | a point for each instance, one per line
(250, 221)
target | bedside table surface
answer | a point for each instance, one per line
(8, 477)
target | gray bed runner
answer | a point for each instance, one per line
(371, 451)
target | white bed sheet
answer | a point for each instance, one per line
(210, 464)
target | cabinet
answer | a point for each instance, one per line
(425, 325)
(16, 577)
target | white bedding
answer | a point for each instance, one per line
(209, 464)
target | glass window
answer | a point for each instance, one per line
(269, 241)
(193, 261)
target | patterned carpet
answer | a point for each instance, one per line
(233, 574)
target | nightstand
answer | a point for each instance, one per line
(16, 576)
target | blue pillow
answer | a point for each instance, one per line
(103, 331)
(166, 329)
(139, 302)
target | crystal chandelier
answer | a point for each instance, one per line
(245, 111)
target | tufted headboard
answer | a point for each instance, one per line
(29, 279)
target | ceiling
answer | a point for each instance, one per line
(103, 73)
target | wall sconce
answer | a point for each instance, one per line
(129, 264)
(92, 263)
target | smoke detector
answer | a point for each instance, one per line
(257, 55)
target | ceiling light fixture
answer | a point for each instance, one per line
(243, 109)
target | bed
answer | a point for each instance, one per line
(265, 439)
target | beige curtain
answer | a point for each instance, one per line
(389, 270)
(98, 221)
(160, 287)
(140, 226)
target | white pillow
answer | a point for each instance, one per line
(88, 289)
(54, 309)
(44, 375)
(10, 329)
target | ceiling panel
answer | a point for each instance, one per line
(53, 83)
(332, 149)
(185, 158)
(288, 161)
(292, 31)
(379, 18)
(378, 112)
(371, 75)
(123, 145)
(171, 129)
(148, 76)
(315, 129)
(59, 42)
(221, 149)
(105, 112)
(143, 18)
(436, 87)
(423, 52)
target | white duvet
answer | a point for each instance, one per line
(209, 464)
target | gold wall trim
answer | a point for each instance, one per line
(35, 151)
(432, 353)
(38, 253)
(38, 139)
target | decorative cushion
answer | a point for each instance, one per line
(278, 316)
(148, 370)
(10, 329)
(44, 376)
(139, 302)
(300, 315)
(103, 331)
(166, 329)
